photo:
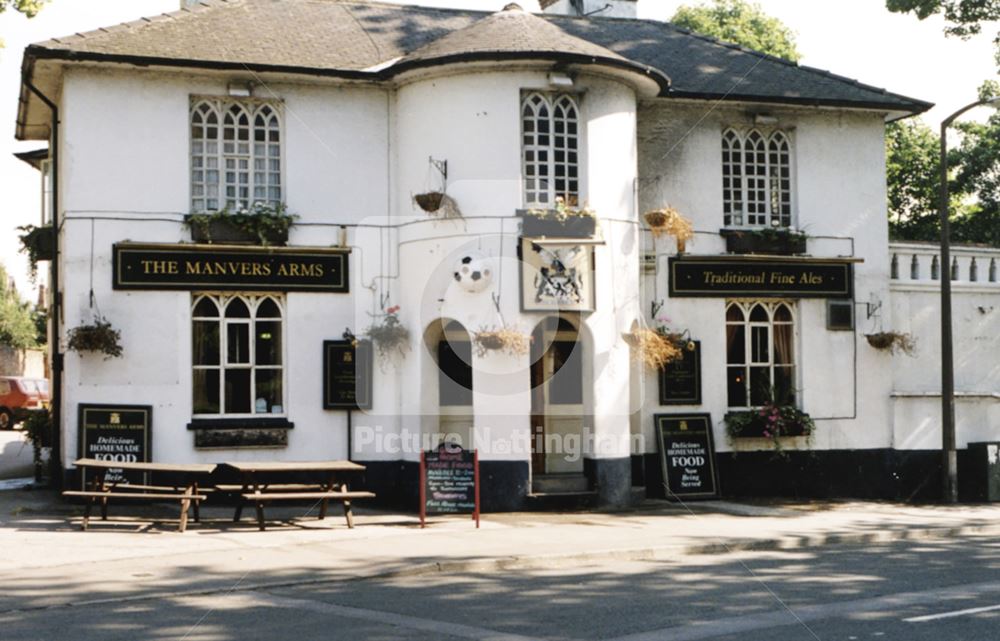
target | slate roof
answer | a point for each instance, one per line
(516, 34)
(359, 39)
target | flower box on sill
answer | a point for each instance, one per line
(550, 224)
(781, 242)
(226, 232)
(754, 424)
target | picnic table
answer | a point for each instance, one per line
(258, 486)
(102, 489)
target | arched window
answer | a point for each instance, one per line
(760, 353)
(235, 155)
(237, 355)
(756, 179)
(550, 143)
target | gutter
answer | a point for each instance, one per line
(55, 462)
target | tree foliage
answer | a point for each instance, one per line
(912, 164)
(741, 22)
(964, 17)
(913, 176)
(18, 326)
(27, 7)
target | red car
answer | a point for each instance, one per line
(19, 396)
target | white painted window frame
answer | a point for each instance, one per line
(253, 303)
(540, 190)
(737, 191)
(261, 162)
(771, 307)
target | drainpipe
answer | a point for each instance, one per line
(55, 463)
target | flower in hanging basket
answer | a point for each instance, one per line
(39, 244)
(505, 339)
(389, 336)
(652, 347)
(670, 222)
(893, 342)
(98, 336)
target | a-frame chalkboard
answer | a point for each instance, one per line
(449, 482)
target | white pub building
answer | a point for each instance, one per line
(439, 279)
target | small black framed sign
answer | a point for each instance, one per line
(680, 380)
(687, 455)
(347, 375)
(114, 432)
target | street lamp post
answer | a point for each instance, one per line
(949, 454)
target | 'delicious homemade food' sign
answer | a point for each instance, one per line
(687, 455)
(119, 433)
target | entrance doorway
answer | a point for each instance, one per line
(454, 360)
(557, 405)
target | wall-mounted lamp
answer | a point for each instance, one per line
(240, 89)
(560, 80)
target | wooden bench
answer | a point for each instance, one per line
(101, 489)
(323, 496)
(258, 489)
(187, 500)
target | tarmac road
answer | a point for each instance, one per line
(937, 590)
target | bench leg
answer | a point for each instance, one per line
(239, 512)
(86, 513)
(322, 509)
(197, 514)
(260, 516)
(348, 514)
(185, 506)
(104, 509)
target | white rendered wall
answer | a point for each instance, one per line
(839, 196)
(125, 177)
(125, 165)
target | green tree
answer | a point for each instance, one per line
(741, 22)
(964, 17)
(27, 7)
(17, 319)
(912, 164)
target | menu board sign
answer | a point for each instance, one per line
(449, 482)
(347, 375)
(680, 379)
(687, 455)
(117, 433)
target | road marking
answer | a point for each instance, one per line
(806, 613)
(249, 599)
(948, 615)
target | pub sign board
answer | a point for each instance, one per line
(680, 379)
(347, 375)
(449, 482)
(719, 277)
(687, 455)
(228, 268)
(117, 433)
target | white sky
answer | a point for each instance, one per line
(854, 38)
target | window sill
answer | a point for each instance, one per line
(250, 422)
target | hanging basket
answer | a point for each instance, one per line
(430, 201)
(893, 342)
(652, 348)
(667, 221)
(100, 337)
(505, 339)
